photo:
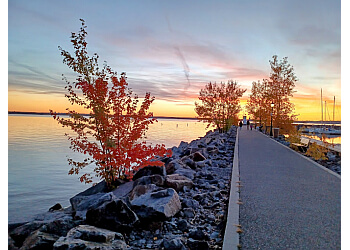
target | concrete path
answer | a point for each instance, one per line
(289, 202)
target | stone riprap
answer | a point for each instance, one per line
(181, 205)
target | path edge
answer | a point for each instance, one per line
(310, 160)
(231, 237)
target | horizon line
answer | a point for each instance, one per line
(165, 117)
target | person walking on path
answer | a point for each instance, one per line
(240, 125)
(251, 126)
(248, 125)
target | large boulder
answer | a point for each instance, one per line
(142, 189)
(159, 205)
(176, 164)
(149, 170)
(39, 240)
(43, 229)
(99, 188)
(60, 227)
(85, 199)
(20, 233)
(94, 197)
(114, 215)
(54, 215)
(123, 190)
(177, 182)
(90, 237)
(90, 202)
(150, 179)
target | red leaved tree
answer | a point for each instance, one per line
(111, 136)
(219, 104)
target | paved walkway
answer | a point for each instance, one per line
(289, 202)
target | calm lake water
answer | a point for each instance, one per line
(37, 160)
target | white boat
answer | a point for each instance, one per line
(323, 130)
(328, 131)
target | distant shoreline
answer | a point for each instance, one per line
(46, 113)
(159, 117)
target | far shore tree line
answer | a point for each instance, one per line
(112, 137)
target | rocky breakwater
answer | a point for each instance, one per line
(181, 205)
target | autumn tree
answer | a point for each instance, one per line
(278, 89)
(255, 105)
(219, 104)
(111, 136)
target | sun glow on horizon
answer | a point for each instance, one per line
(306, 107)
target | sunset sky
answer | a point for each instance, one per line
(159, 43)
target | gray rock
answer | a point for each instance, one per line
(212, 150)
(20, 233)
(114, 215)
(189, 162)
(197, 156)
(39, 240)
(190, 203)
(188, 212)
(197, 234)
(54, 215)
(331, 156)
(90, 202)
(208, 140)
(158, 205)
(182, 225)
(176, 164)
(101, 187)
(59, 227)
(197, 244)
(151, 179)
(173, 244)
(123, 190)
(201, 164)
(89, 237)
(221, 185)
(55, 207)
(214, 235)
(150, 170)
(178, 182)
(183, 145)
(189, 173)
(142, 189)
(82, 202)
(11, 244)
(90, 199)
(170, 167)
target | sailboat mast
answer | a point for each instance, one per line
(333, 109)
(325, 112)
(321, 106)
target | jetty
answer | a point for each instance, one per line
(284, 201)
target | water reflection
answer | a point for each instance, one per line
(333, 139)
(37, 160)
